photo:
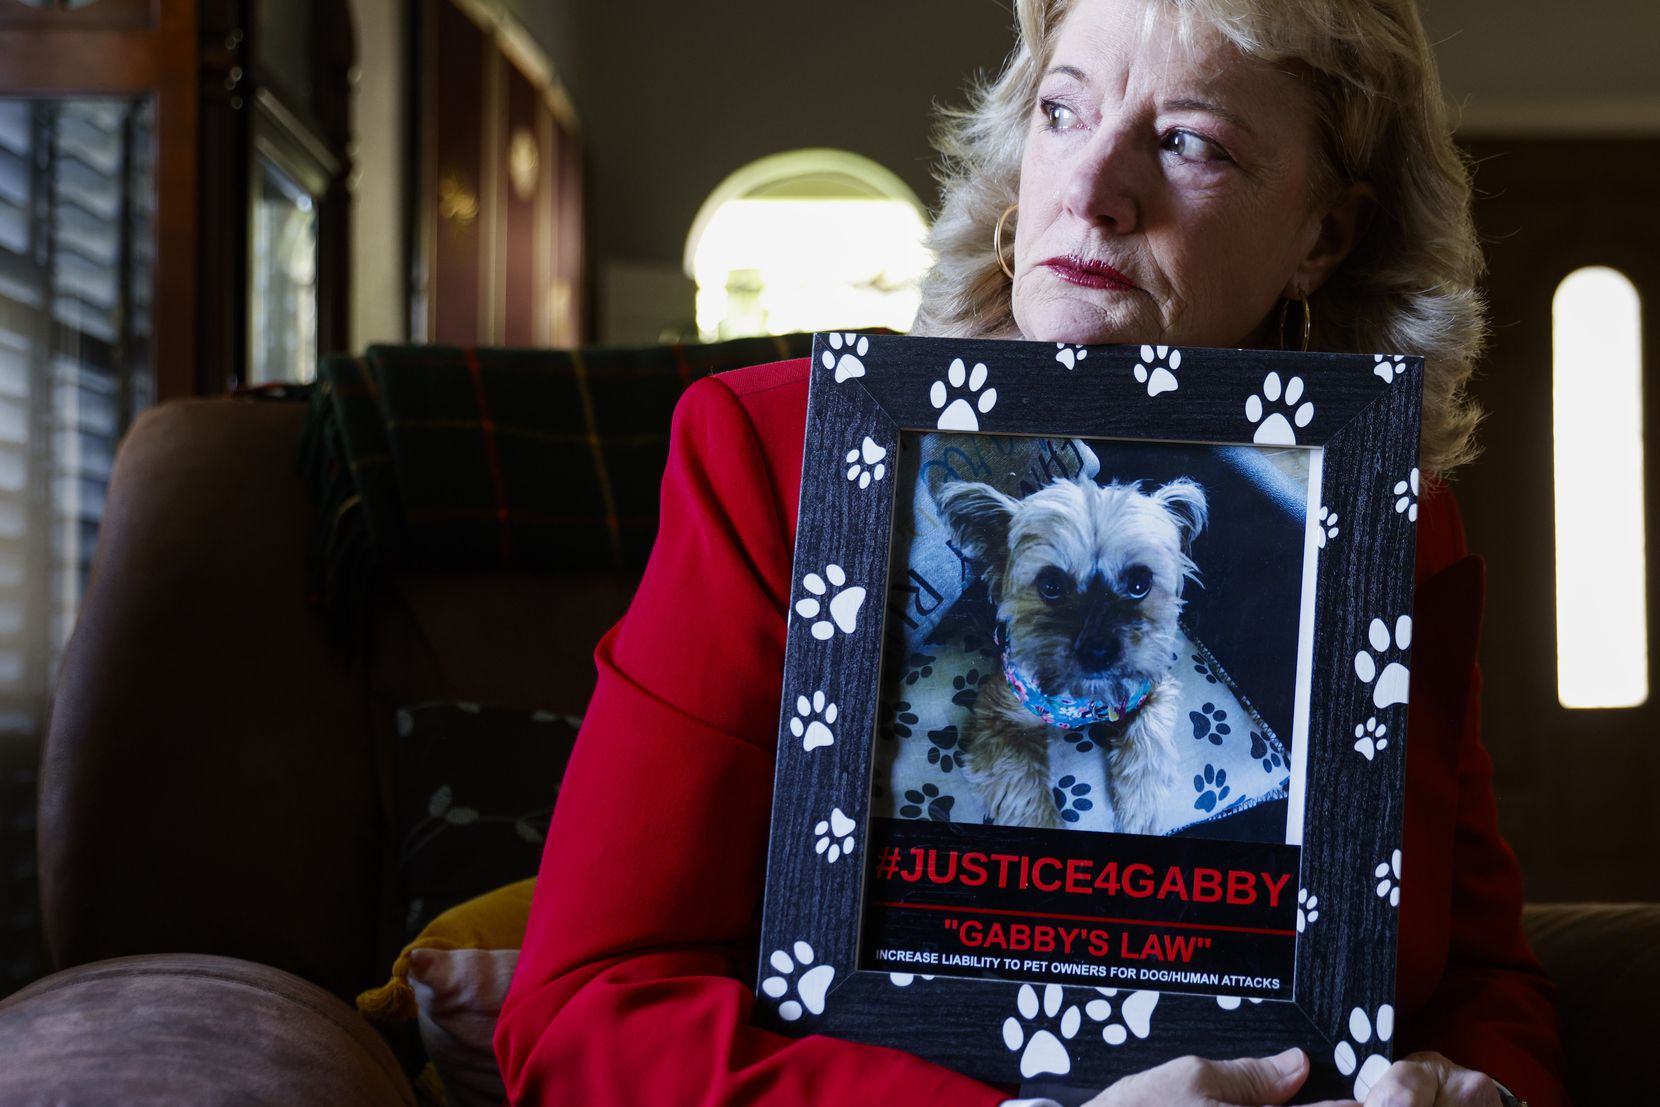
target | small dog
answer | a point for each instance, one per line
(1087, 582)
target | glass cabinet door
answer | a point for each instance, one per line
(282, 277)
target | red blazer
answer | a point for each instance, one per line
(634, 986)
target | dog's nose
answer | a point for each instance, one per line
(1097, 652)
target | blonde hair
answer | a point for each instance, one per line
(1409, 286)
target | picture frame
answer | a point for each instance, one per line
(874, 400)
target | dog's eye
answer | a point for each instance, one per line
(1138, 581)
(1052, 584)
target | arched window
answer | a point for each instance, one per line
(807, 240)
(1601, 600)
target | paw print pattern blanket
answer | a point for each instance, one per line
(1229, 760)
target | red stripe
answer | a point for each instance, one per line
(492, 456)
(474, 514)
(1086, 918)
(554, 366)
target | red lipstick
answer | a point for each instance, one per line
(1089, 273)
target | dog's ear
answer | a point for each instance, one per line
(978, 516)
(1185, 502)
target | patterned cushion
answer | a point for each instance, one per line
(475, 792)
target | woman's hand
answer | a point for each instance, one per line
(1196, 1082)
(1430, 1080)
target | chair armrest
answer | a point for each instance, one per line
(1605, 960)
(190, 1028)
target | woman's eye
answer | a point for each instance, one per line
(1191, 147)
(1057, 117)
(1138, 581)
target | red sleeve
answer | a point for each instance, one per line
(1492, 1008)
(635, 982)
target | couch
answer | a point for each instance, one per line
(218, 866)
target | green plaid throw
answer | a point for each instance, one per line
(447, 459)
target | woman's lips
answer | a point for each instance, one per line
(1090, 274)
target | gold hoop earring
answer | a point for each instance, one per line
(1308, 320)
(997, 240)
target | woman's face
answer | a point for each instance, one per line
(1166, 188)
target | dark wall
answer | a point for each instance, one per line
(676, 94)
(674, 97)
(555, 25)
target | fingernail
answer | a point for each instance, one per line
(1290, 1063)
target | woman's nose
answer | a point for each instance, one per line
(1103, 187)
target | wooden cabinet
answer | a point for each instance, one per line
(249, 107)
(499, 217)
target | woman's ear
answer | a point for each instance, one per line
(1341, 227)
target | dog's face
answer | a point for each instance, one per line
(1087, 579)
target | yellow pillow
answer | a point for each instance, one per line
(452, 979)
(495, 920)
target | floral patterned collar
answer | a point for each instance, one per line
(1065, 712)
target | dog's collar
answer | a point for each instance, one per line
(1066, 712)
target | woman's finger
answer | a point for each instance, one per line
(1197, 1082)
(1406, 1084)
(1430, 1080)
(1257, 1081)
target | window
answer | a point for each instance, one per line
(282, 277)
(1601, 600)
(77, 348)
(807, 240)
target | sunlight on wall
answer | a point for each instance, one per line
(1601, 600)
(805, 241)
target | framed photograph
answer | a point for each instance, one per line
(1092, 740)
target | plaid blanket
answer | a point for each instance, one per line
(447, 459)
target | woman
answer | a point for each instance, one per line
(1181, 171)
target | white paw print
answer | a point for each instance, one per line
(835, 836)
(1406, 493)
(959, 414)
(1276, 429)
(1325, 526)
(865, 464)
(1157, 369)
(1391, 687)
(1363, 1030)
(812, 721)
(906, 979)
(1388, 367)
(1308, 909)
(1388, 876)
(844, 606)
(1370, 737)
(1043, 1051)
(850, 364)
(812, 987)
(1135, 1013)
(1232, 1003)
(1069, 356)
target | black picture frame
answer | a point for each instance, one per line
(866, 392)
